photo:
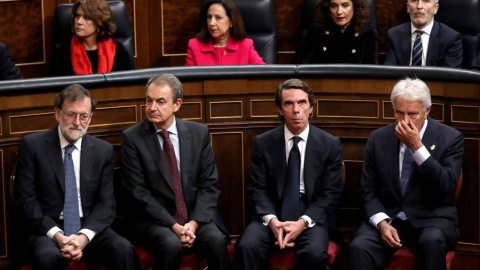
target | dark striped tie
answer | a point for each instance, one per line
(417, 51)
(71, 216)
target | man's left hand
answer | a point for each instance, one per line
(292, 230)
(73, 247)
(188, 233)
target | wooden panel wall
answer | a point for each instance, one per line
(161, 30)
(234, 118)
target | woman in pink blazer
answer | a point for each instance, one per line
(222, 39)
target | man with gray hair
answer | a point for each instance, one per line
(169, 171)
(423, 41)
(410, 170)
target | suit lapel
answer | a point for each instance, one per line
(185, 143)
(391, 146)
(314, 146)
(87, 159)
(54, 154)
(431, 42)
(151, 140)
(406, 44)
(276, 150)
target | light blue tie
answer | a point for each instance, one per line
(71, 216)
(406, 173)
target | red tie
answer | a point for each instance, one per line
(169, 153)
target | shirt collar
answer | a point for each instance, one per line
(289, 135)
(64, 142)
(426, 30)
(172, 129)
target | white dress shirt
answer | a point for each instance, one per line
(419, 156)
(302, 144)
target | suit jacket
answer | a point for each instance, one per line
(145, 174)
(322, 174)
(427, 199)
(444, 46)
(236, 53)
(40, 182)
(8, 70)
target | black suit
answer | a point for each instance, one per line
(8, 70)
(444, 46)
(426, 201)
(39, 198)
(147, 179)
(323, 187)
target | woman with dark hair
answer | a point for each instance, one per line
(92, 49)
(339, 35)
(222, 39)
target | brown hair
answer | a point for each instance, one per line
(237, 31)
(74, 92)
(99, 12)
(323, 20)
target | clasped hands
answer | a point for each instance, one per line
(186, 233)
(71, 247)
(286, 232)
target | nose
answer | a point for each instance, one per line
(212, 21)
(296, 107)
(77, 121)
(153, 106)
(340, 10)
(420, 4)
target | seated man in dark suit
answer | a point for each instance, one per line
(63, 192)
(168, 168)
(410, 170)
(294, 198)
(8, 70)
(423, 41)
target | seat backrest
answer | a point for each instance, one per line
(259, 20)
(454, 13)
(308, 15)
(62, 29)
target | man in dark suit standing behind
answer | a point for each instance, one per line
(410, 170)
(294, 187)
(169, 170)
(63, 192)
(423, 41)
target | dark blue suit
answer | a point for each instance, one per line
(426, 202)
(8, 70)
(39, 198)
(444, 46)
(323, 187)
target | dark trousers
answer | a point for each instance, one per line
(258, 243)
(165, 245)
(367, 250)
(107, 248)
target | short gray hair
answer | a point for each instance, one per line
(170, 80)
(412, 90)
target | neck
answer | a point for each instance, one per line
(90, 43)
(221, 42)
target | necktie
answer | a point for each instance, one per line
(291, 189)
(71, 216)
(417, 50)
(407, 169)
(169, 153)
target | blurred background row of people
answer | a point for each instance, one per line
(339, 34)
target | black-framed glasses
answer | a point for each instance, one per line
(84, 117)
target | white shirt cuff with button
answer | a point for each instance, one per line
(88, 233)
(266, 220)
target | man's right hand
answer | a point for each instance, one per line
(389, 235)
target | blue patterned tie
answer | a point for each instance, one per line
(71, 216)
(407, 168)
(417, 51)
(291, 189)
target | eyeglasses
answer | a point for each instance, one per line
(84, 117)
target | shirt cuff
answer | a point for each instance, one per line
(88, 233)
(421, 155)
(310, 221)
(375, 219)
(53, 231)
(266, 219)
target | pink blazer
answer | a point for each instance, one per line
(236, 53)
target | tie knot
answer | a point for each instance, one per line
(419, 32)
(69, 149)
(296, 139)
(164, 134)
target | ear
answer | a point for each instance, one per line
(57, 114)
(280, 111)
(177, 105)
(427, 112)
(436, 8)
